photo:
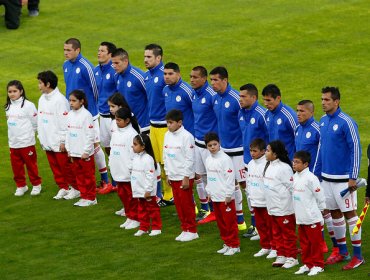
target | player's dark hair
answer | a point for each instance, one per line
(48, 77)
(76, 44)
(304, 156)
(221, 71)
(211, 136)
(174, 115)
(144, 140)
(251, 89)
(121, 53)
(172, 65)
(307, 103)
(271, 90)
(110, 46)
(258, 143)
(335, 94)
(202, 70)
(80, 95)
(157, 49)
(278, 148)
(20, 87)
(125, 113)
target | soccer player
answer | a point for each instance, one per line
(281, 119)
(204, 121)
(226, 107)
(79, 74)
(130, 83)
(339, 161)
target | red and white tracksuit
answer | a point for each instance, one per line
(144, 179)
(53, 111)
(308, 202)
(22, 124)
(256, 196)
(178, 158)
(120, 163)
(80, 140)
(220, 185)
(278, 182)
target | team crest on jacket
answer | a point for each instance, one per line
(335, 127)
(151, 171)
(156, 80)
(253, 121)
(191, 146)
(318, 190)
(166, 146)
(227, 104)
(178, 98)
(279, 121)
(203, 100)
(91, 126)
(308, 134)
(78, 70)
(65, 113)
(286, 221)
(129, 84)
(291, 179)
(35, 114)
(229, 171)
(107, 76)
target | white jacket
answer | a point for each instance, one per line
(255, 186)
(278, 182)
(178, 154)
(121, 153)
(80, 133)
(22, 123)
(308, 198)
(220, 177)
(52, 120)
(143, 175)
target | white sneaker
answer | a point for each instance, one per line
(61, 193)
(133, 224)
(262, 252)
(87, 202)
(21, 191)
(189, 236)
(223, 249)
(155, 232)
(232, 251)
(256, 237)
(181, 235)
(315, 270)
(302, 270)
(280, 261)
(120, 212)
(290, 262)
(140, 232)
(79, 202)
(125, 223)
(36, 190)
(72, 194)
(272, 254)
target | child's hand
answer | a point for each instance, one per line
(62, 148)
(147, 196)
(185, 183)
(168, 181)
(227, 200)
(85, 156)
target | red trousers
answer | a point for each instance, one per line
(227, 223)
(25, 156)
(283, 229)
(124, 192)
(61, 166)
(149, 210)
(264, 227)
(85, 177)
(310, 237)
(184, 203)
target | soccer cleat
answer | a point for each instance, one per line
(36, 190)
(72, 194)
(202, 214)
(87, 202)
(79, 202)
(256, 237)
(178, 238)
(290, 262)
(114, 188)
(21, 191)
(334, 253)
(279, 262)
(262, 252)
(324, 247)
(223, 249)
(252, 231)
(120, 212)
(33, 13)
(302, 270)
(189, 236)
(125, 223)
(133, 224)
(272, 254)
(61, 193)
(315, 270)
(355, 262)
(338, 258)
(155, 232)
(242, 226)
(232, 251)
(140, 232)
(106, 188)
(210, 218)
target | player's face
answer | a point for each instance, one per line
(42, 87)
(121, 123)
(270, 155)
(171, 77)
(173, 125)
(298, 165)
(150, 60)
(303, 113)
(329, 105)
(113, 108)
(256, 153)
(70, 53)
(218, 84)
(213, 146)
(14, 93)
(246, 100)
(119, 65)
(137, 147)
(270, 102)
(196, 80)
(75, 103)
(103, 55)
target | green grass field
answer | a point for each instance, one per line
(301, 46)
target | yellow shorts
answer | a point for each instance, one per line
(157, 138)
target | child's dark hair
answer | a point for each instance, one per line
(118, 100)
(258, 143)
(174, 115)
(278, 148)
(20, 87)
(48, 77)
(211, 136)
(144, 140)
(125, 113)
(80, 95)
(304, 156)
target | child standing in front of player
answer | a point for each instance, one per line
(144, 185)
(308, 202)
(21, 117)
(120, 163)
(80, 147)
(278, 181)
(178, 157)
(221, 189)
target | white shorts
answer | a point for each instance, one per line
(335, 201)
(240, 173)
(96, 130)
(201, 155)
(105, 134)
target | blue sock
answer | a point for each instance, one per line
(357, 252)
(104, 177)
(114, 183)
(240, 218)
(334, 240)
(204, 206)
(159, 190)
(253, 221)
(343, 249)
(210, 205)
